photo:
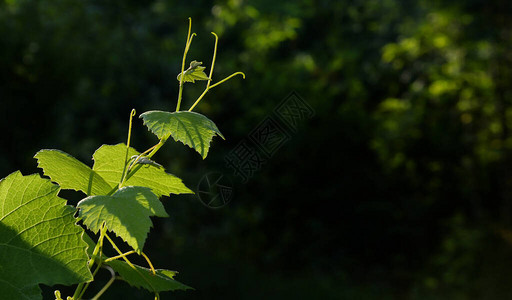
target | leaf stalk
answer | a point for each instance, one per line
(214, 85)
(187, 46)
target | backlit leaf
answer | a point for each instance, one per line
(190, 128)
(194, 72)
(139, 277)
(126, 213)
(39, 240)
(109, 164)
(70, 173)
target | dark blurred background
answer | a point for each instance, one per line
(397, 187)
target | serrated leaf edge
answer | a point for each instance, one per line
(215, 129)
(148, 282)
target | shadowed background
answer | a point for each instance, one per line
(397, 188)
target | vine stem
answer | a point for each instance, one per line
(149, 262)
(132, 114)
(126, 176)
(214, 85)
(88, 283)
(187, 46)
(213, 59)
(120, 256)
(131, 172)
(131, 252)
(119, 251)
(109, 283)
(157, 147)
(80, 289)
(227, 78)
(208, 87)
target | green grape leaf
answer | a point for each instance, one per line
(194, 72)
(139, 277)
(70, 173)
(39, 240)
(190, 128)
(142, 277)
(109, 164)
(126, 213)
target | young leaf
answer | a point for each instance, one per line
(109, 164)
(70, 173)
(194, 72)
(126, 213)
(190, 128)
(142, 277)
(39, 240)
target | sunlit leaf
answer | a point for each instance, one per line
(190, 128)
(194, 72)
(39, 240)
(70, 173)
(109, 164)
(139, 277)
(126, 213)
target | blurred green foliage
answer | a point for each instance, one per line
(398, 188)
